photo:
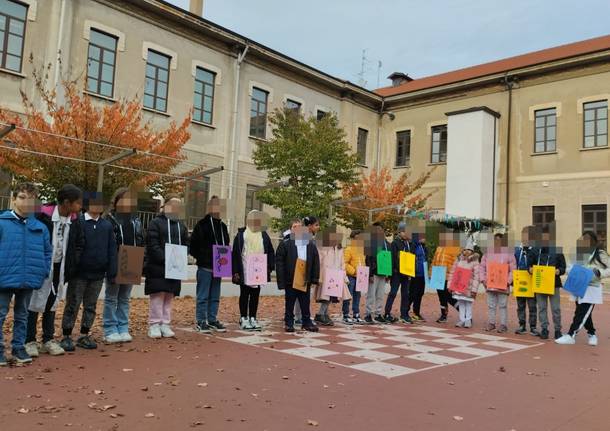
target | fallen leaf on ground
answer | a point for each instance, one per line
(127, 370)
(312, 423)
(502, 369)
(107, 407)
(202, 385)
(458, 418)
(536, 357)
(98, 392)
(285, 377)
(149, 415)
(331, 406)
(23, 410)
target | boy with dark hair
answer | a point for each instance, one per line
(25, 262)
(398, 280)
(526, 256)
(98, 261)
(66, 241)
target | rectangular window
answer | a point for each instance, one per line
(13, 16)
(596, 124)
(321, 114)
(258, 113)
(203, 103)
(293, 105)
(545, 135)
(403, 148)
(251, 202)
(363, 135)
(157, 81)
(101, 62)
(197, 197)
(439, 144)
(595, 218)
(543, 215)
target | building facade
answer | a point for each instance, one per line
(521, 140)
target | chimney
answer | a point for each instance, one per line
(399, 78)
(196, 7)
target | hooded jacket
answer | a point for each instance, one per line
(208, 231)
(397, 246)
(471, 263)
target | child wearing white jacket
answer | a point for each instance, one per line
(469, 260)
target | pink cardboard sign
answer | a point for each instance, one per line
(362, 279)
(334, 280)
(256, 269)
(221, 261)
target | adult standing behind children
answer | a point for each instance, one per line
(208, 232)
(25, 262)
(97, 261)
(127, 231)
(66, 236)
(164, 229)
(251, 240)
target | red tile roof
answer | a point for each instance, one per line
(505, 65)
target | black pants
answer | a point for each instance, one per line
(532, 308)
(248, 300)
(48, 316)
(416, 293)
(402, 282)
(445, 298)
(292, 296)
(583, 316)
(85, 292)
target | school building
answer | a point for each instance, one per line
(521, 140)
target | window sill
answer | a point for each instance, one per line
(99, 96)
(594, 148)
(199, 123)
(255, 138)
(437, 164)
(360, 165)
(544, 153)
(154, 111)
(402, 167)
(12, 72)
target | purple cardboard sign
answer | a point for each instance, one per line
(221, 261)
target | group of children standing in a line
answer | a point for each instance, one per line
(42, 250)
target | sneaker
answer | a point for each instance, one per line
(348, 320)
(52, 347)
(67, 344)
(113, 338)
(502, 329)
(289, 329)
(166, 331)
(534, 332)
(319, 318)
(468, 323)
(521, 330)
(358, 321)
(126, 337)
(558, 334)
(460, 324)
(154, 331)
(255, 325)
(298, 322)
(566, 339)
(202, 327)
(369, 320)
(442, 319)
(380, 319)
(592, 340)
(245, 324)
(544, 334)
(21, 356)
(3, 361)
(406, 320)
(217, 326)
(310, 328)
(490, 327)
(390, 319)
(421, 318)
(86, 342)
(32, 349)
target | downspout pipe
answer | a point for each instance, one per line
(509, 83)
(378, 156)
(60, 36)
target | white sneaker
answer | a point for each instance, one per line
(460, 324)
(245, 324)
(593, 340)
(113, 338)
(468, 324)
(254, 324)
(166, 331)
(126, 337)
(155, 331)
(53, 348)
(31, 349)
(566, 339)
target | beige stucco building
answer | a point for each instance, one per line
(527, 135)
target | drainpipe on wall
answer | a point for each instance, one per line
(378, 157)
(234, 132)
(509, 83)
(60, 35)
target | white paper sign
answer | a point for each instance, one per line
(176, 262)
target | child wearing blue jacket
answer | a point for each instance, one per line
(25, 262)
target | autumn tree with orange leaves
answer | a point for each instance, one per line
(380, 190)
(100, 130)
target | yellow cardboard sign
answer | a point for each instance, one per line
(522, 284)
(543, 278)
(407, 263)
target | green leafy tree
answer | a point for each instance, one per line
(312, 157)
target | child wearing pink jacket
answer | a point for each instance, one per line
(469, 260)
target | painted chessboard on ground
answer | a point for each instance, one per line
(385, 350)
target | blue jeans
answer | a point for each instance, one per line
(20, 311)
(116, 308)
(355, 299)
(208, 296)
